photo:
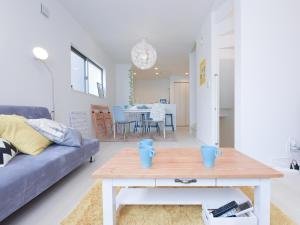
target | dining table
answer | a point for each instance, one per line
(138, 114)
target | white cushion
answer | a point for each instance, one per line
(56, 132)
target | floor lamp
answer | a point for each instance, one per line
(42, 55)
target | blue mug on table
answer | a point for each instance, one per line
(209, 154)
(146, 155)
(148, 142)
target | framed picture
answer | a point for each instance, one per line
(202, 72)
(163, 101)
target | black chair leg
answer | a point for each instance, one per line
(92, 159)
(158, 128)
(172, 123)
(135, 127)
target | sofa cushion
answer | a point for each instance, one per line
(27, 140)
(56, 132)
(7, 152)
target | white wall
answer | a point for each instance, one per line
(122, 91)
(267, 76)
(151, 90)
(205, 92)
(24, 81)
(193, 91)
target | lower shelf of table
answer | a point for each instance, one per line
(211, 197)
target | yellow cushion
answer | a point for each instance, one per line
(27, 140)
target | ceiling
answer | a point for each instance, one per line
(171, 26)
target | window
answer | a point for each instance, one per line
(77, 72)
(86, 76)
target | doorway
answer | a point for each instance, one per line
(223, 64)
(181, 100)
(226, 122)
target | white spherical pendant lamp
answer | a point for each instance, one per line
(143, 55)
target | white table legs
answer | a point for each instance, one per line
(262, 194)
(109, 202)
(262, 202)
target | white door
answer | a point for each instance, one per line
(181, 99)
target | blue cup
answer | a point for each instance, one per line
(146, 142)
(146, 155)
(209, 155)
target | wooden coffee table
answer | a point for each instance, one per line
(183, 167)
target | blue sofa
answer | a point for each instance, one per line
(25, 176)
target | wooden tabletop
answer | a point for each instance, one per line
(184, 163)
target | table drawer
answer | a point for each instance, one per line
(185, 182)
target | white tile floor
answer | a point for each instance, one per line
(57, 202)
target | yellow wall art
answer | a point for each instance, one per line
(202, 72)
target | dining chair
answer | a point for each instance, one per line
(157, 117)
(119, 118)
(140, 117)
(146, 123)
(169, 118)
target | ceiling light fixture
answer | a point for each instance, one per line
(186, 73)
(156, 68)
(156, 73)
(143, 55)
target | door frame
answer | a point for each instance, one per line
(220, 25)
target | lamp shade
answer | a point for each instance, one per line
(143, 55)
(40, 53)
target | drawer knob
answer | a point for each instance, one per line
(185, 181)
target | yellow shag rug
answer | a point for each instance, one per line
(89, 212)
